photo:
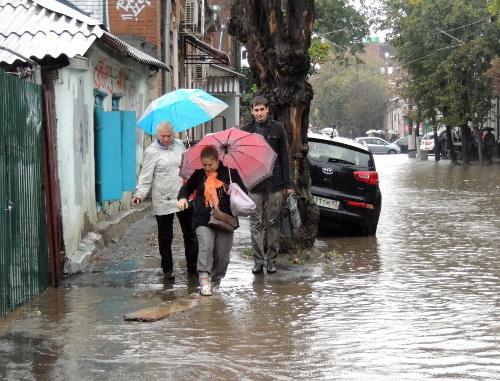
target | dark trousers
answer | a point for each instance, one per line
(166, 236)
(488, 151)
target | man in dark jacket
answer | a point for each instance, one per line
(268, 194)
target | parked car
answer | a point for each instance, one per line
(378, 145)
(330, 131)
(427, 142)
(344, 184)
(402, 143)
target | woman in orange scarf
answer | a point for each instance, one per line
(211, 183)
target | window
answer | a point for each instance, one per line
(326, 151)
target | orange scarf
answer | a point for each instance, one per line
(214, 188)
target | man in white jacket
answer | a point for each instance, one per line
(160, 171)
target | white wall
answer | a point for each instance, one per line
(75, 151)
(74, 94)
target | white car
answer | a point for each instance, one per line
(331, 132)
(378, 145)
(427, 142)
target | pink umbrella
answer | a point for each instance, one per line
(249, 153)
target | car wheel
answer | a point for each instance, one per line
(371, 227)
(392, 152)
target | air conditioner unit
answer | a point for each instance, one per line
(192, 13)
(199, 72)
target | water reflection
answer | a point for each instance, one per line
(430, 311)
(417, 301)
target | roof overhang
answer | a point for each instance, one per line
(215, 70)
(134, 53)
(49, 33)
(207, 54)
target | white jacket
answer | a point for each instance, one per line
(160, 170)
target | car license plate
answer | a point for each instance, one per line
(327, 203)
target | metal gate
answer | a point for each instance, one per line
(23, 239)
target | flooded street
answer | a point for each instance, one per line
(418, 301)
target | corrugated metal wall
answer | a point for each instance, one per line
(23, 239)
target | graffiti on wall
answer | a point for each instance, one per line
(132, 8)
(135, 99)
(122, 81)
(102, 77)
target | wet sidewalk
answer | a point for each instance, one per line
(134, 260)
(418, 301)
(78, 331)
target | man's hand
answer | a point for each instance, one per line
(182, 204)
(136, 201)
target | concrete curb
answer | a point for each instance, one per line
(102, 235)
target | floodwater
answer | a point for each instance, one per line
(419, 301)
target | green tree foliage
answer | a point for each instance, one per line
(353, 97)
(343, 27)
(494, 6)
(249, 89)
(446, 47)
(366, 108)
(319, 51)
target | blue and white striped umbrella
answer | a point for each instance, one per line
(184, 108)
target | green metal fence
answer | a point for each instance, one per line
(23, 239)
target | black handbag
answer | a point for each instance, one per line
(223, 221)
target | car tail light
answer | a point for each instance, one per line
(370, 177)
(361, 204)
(428, 143)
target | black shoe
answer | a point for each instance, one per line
(258, 268)
(271, 267)
(168, 275)
(192, 272)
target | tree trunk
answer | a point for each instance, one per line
(277, 36)
(465, 144)
(479, 141)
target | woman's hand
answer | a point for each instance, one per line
(136, 201)
(182, 204)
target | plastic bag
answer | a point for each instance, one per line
(241, 204)
(291, 204)
(287, 223)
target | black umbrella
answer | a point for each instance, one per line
(488, 129)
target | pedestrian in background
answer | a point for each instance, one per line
(160, 171)
(268, 194)
(211, 185)
(489, 144)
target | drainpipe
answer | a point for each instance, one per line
(38, 75)
(175, 55)
(105, 19)
(498, 118)
(202, 28)
(222, 30)
(168, 9)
